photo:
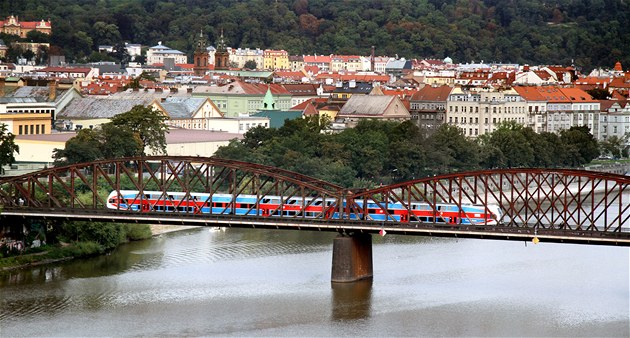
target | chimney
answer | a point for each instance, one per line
(52, 90)
(2, 87)
(372, 60)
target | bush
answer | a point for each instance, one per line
(136, 232)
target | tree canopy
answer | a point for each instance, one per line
(128, 134)
(381, 152)
(8, 148)
(147, 124)
(586, 33)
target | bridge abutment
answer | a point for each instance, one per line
(352, 258)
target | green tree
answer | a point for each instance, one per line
(7, 147)
(515, 147)
(580, 145)
(84, 147)
(117, 142)
(452, 150)
(613, 146)
(250, 64)
(148, 124)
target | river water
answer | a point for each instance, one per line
(251, 282)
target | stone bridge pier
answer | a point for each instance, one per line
(352, 258)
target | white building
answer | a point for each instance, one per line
(480, 111)
(615, 121)
(241, 56)
(158, 53)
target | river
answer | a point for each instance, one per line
(252, 282)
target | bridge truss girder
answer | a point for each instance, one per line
(547, 199)
(86, 186)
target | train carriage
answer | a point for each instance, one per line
(276, 206)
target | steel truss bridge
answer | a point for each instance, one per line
(550, 205)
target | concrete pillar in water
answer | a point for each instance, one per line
(352, 258)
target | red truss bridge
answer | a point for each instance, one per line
(547, 205)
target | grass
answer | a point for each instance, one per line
(52, 253)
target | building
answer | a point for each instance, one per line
(428, 106)
(479, 111)
(239, 97)
(569, 107)
(13, 26)
(31, 109)
(92, 111)
(322, 62)
(158, 53)
(303, 92)
(345, 90)
(398, 67)
(614, 120)
(380, 107)
(26, 115)
(201, 114)
(275, 59)
(201, 56)
(350, 63)
(239, 57)
(36, 151)
(296, 62)
(276, 116)
(221, 55)
(536, 107)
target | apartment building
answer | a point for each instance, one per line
(478, 111)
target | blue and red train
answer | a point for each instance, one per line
(272, 206)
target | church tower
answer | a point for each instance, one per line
(221, 56)
(200, 56)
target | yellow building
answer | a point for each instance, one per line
(276, 59)
(13, 26)
(26, 115)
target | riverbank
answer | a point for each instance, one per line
(159, 229)
(43, 258)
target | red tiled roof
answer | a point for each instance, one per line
(303, 105)
(552, 94)
(66, 69)
(316, 58)
(530, 93)
(576, 94)
(401, 93)
(429, 93)
(311, 69)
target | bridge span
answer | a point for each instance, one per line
(548, 205)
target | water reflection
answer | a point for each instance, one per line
(352, 301)
(246, 282)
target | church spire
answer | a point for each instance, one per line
(268, 102)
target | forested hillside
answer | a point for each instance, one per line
(590, 32)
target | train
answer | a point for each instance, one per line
(309, 207)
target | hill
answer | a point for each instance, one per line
(587, 33)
